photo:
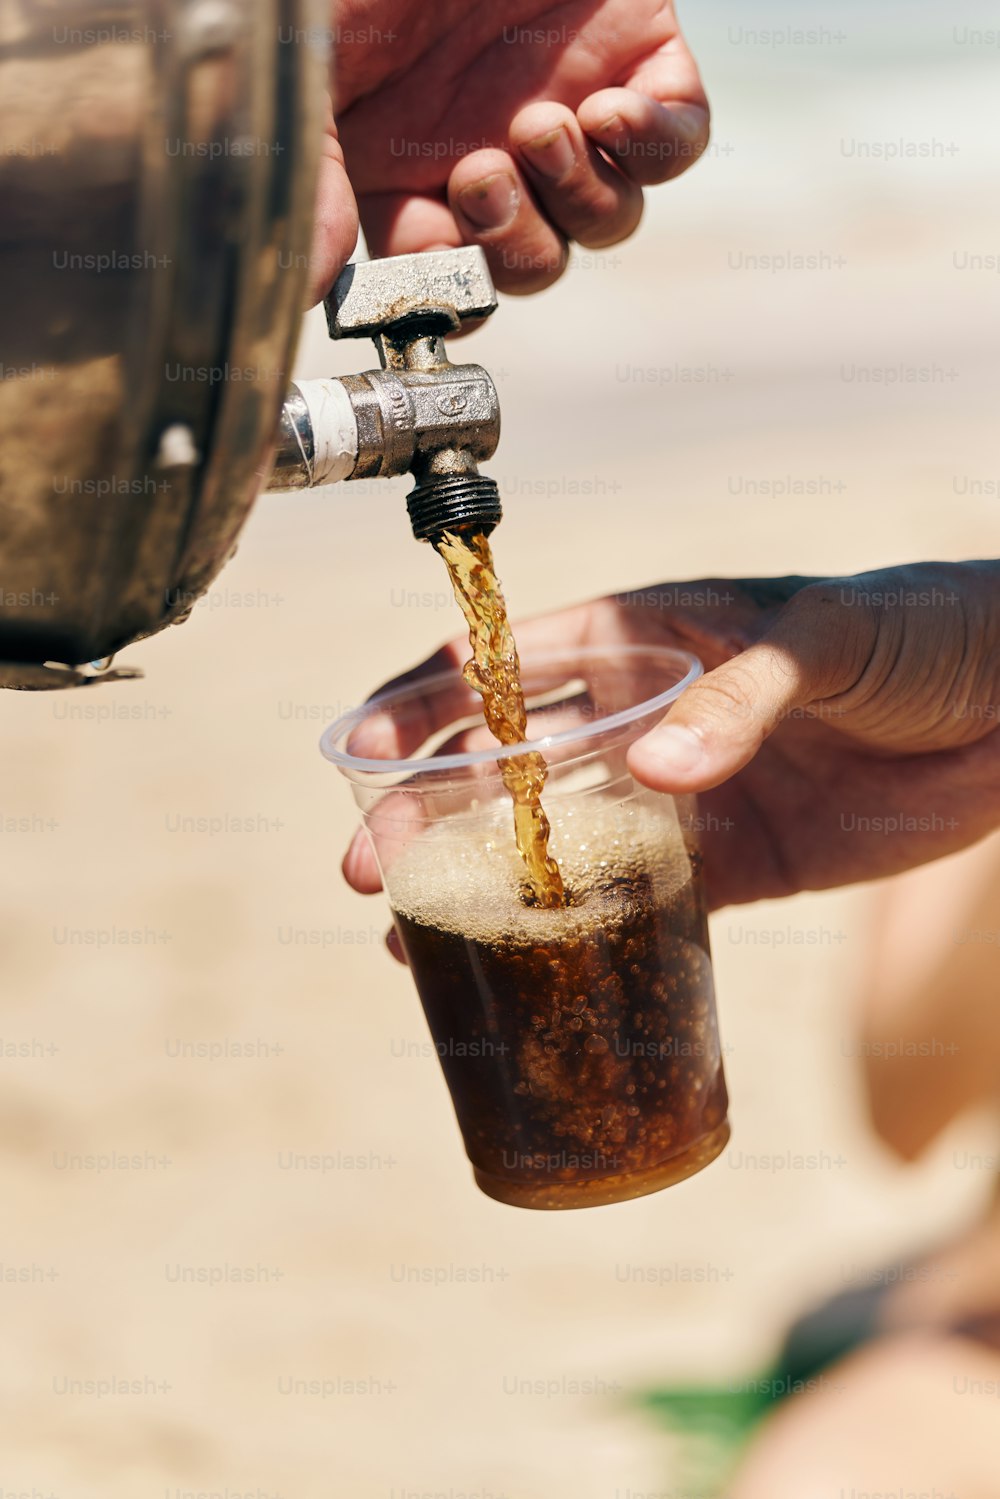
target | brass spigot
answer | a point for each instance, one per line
(419, 413)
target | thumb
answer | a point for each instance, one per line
(335, 220)
(717, 726)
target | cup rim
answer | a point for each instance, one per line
(354, 765)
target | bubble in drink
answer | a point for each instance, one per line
(580, 1045)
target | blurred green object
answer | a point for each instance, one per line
(712, 1425)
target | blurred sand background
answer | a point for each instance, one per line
(640, 481)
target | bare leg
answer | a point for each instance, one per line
(930, 1012)
(907, 1417)
(915, 1412)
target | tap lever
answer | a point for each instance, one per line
(447, 286)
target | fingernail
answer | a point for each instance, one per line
(678, 749)
(491, 203)
(614, 133)
(552, 155)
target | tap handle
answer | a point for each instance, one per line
(446, 286)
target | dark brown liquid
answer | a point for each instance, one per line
(495, 673)
(583, 1061)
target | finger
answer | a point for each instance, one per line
(586, 197)
(494, 207)
(335, 226)
(720, 723)
(565, 630)
(811, 653)
(573, 711)
(407, 224)
(398, 734)
(395, 946)
(391, 825)
(398, 730)
(658, 124)
(359, 867)
(651, 142)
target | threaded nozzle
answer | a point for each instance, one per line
(457, 503)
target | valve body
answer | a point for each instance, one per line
(418, 413)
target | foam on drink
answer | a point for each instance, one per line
(470, 882)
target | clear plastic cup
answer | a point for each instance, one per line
(580, 1045)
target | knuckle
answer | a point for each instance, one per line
(728, 696)
(832, 632)
(602, 230)
(521, 269)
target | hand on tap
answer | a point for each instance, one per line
(521, 127)
(846, 729)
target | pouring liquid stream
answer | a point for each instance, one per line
(495, 673)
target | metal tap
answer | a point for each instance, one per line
(419, 413)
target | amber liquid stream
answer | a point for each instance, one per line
(495, 673)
